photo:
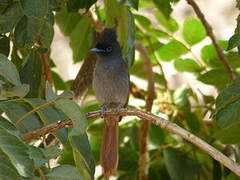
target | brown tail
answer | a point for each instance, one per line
(109, 151)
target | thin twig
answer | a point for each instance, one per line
(209, 30)
(25, 116)
(143, 140)
(163, 123)
(45, 61)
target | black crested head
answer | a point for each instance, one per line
(107, 43)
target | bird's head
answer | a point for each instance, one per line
(107, 44)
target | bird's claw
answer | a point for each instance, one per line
(103, 112)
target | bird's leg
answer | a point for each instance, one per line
(103, 110)
(115, 107)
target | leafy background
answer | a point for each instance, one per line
(201, 97)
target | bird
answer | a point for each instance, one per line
(111, 86)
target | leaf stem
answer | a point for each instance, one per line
(25, 116)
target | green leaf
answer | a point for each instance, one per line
(128, 159)
(180, 96)
(217, 170)
(74, 5)
(64, 172)
(38, 157)
(126, 37)
(31, 73)
(67, 21)
(234, 41)
(72, 110)
(192, 121)
(172, 50)
(56, 5)
(83, 155)
(156, 135)
(209, 55)
(36, 8)
(46, 35)
(67, 156)
(27, 31)
(164, 7)
(15, 110)
(130, 3)
(58, 81)
(144, 21)
(169, 24)
(11, 15)
(193, 31)
(16, 151)
(49, 115)
(215, 77)
(180, 166)
(7, 170)
(125, 28)
(19, 91)
(4, 45)
(81, 38)
(49, 94)
(234, 59)
(9, 71)
(52, 152)
(227, 105)
(186, 65)
(229, 135)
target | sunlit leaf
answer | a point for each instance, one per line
(172, 50)
(186, 65)
(193, 31)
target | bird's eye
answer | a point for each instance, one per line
(109, 49)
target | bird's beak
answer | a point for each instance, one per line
(97, 50)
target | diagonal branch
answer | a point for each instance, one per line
(163, 123)
(209, 30)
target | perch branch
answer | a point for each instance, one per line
(165, 124)
(209, 30)
(145, 125)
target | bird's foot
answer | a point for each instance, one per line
(103, 111)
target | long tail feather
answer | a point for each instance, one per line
(109, 151)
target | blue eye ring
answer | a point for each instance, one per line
(109, 49)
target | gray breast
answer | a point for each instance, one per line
(110, 83)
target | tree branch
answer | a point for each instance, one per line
(145, 126)
(209, 30)
(163, 123)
